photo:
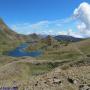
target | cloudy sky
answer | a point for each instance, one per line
(63, 17)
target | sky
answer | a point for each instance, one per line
(47, 16)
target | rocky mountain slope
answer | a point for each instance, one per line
(8, 38)
(75, 78)
(73, 75)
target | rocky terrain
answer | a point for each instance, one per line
(72, 75)
(63, 78)
(62, 66)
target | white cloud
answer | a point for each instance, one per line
(70, 32)
(47, 27)
(83, 14)
(27, 28)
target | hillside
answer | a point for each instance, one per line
(62, 68)
(70, 51)
(42, 43)
(75, 78)
(27, 73)
(8, 38)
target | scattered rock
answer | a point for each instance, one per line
(84, 87)
(70, 80)
(36, 84)
(56, 80)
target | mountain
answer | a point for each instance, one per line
(8, 38)
(7, 33)
(34, 37)
(49, 40)
(67, 38)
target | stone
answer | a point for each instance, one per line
(84, 87)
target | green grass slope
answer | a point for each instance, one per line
(70, 51)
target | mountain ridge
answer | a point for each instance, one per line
(67, 38)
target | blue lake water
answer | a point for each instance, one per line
(19, 51)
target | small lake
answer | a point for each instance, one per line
(19, 51)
